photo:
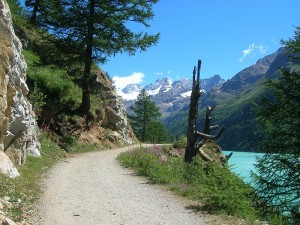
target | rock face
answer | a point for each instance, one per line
(18, 128)
(111, 118)
(114, 115)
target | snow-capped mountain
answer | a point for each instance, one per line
(168, 95)
(130, 92)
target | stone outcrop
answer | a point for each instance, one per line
(18, 128)
(111, 124)
(113, 114)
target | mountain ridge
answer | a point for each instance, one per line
(234, 99)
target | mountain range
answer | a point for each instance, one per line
(234, 100)
(168, 95)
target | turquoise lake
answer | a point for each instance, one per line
(242, 163)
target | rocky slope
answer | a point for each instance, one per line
(18, 128)
(111, 115)
(250, 74)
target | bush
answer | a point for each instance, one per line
(181, 143)
(54, 92)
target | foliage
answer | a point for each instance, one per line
(157, 132)
(37, 99)
(54, 92)
(278, 177)
(145, 119)
(181, 143)
(99, 30)
(15, 8)
(216, 190)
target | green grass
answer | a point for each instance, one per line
(216, 190)
(25, 189)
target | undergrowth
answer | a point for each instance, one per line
(216, 190)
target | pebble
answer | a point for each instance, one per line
(6, 199)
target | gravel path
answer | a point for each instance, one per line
(93, 189)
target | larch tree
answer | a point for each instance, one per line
(34, 5)
(277, 180)
(97, 29)
(145, 115)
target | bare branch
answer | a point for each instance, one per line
(214, 127)
(210, 137)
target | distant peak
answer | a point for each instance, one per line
(267, 60)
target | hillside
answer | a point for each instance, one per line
(235, 102)
(41, 92)
(234, 98)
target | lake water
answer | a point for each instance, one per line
(242, 163)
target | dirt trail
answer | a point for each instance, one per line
(93, 189)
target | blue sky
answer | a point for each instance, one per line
(227, 35)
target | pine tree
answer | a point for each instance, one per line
(35, 5)
(96, 29)
(157, 132)
(145, 115)
(278, 177)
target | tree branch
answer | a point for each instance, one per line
(210, 137)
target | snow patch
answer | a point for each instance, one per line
(168, 89)
(186, 94)
(127, 97)
(154, 92)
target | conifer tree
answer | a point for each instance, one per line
(96, 29)
(35, 6)
(145, 115)
(278, 177)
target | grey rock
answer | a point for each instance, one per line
(18, 128)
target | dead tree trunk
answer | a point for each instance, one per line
(193, 135)
(191, 150)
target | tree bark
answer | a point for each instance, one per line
(85, 106)
(207, 127)
(191, 150)
(193, 146)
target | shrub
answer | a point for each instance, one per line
(181, 143)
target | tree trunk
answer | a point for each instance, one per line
(208, 118)
(35, 9)
(193, 146)
(85, 106)
(191, 150)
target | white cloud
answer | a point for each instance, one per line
(262, 49)
(122, 82)
(170, 71)
(253, 48)
(159, 73)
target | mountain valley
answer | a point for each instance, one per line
(234, 99)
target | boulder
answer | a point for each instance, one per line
(7, 167)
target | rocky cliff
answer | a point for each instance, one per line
(18, 128)
(111, 117)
